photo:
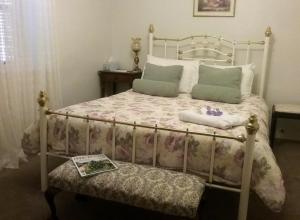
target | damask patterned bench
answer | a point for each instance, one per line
(147, 187)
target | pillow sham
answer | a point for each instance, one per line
(155, 88)
(222, 77)
(247, 77)
(189, 75)
(216, 93)
(163, 73)
(221, 85)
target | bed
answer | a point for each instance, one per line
(145, 129)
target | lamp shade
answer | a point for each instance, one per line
(136, 44)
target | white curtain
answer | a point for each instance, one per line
(28, 64)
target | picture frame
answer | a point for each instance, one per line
(214, 8)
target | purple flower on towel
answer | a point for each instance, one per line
(213, 112)
(208, 112)
(218, 112)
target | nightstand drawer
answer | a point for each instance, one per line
(118, 78)
(282, 111)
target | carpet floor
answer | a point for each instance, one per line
(21, 198)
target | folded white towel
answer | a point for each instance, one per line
(223, 121)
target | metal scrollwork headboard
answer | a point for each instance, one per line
(214, 50)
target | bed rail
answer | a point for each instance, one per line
(251, 127)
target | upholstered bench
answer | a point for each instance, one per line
(147, 187)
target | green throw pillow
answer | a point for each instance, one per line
(163, 73)
(155, 88)
(221, 85)
(216, 93)
(222, 77)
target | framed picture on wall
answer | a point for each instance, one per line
(214, 8)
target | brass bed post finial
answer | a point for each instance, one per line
(151, 28)
(268, 32)
(252, 125)
(241, 138)
(42, 99)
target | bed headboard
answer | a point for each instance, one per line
(215, 49)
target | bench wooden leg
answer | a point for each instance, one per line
(50, 196)
(81, 198)
(201, 214)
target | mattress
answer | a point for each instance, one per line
(129, 106)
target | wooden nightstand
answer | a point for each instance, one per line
(282, 111)
(114, 77)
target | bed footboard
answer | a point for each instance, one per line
(251, 127)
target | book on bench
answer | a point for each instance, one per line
(88, 165)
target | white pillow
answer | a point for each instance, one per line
(247, 77)
(190, 73)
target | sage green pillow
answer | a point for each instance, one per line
(221, 85)
(222, 77)
(155, 88)
(216, 93)
(163, 73)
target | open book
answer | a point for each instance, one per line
(92, 164)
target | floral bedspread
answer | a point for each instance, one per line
(129, 106)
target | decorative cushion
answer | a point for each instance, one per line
(221, 85)
(163, 73)
(216, 93)
(221, 77)
(247, 77)
(155, 88)
(142, 186)
(189, 75)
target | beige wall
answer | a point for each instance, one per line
(89, 31)
(84, 42)
(174, 18)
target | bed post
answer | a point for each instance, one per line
(268, 35)
(151, 37)
(252, 128)
(42, 100)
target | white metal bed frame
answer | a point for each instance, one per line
(213, 44)
(251, 127)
